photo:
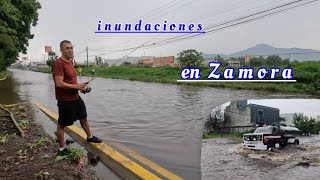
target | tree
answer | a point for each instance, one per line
(282, 119)
(98, 60)
(52, 56)
(257, 61)
(305, 124)
(16, 19)
(274, 60)
(218, 58)
(223, 62)
(190, 58)
(125, 63)
(215, 120)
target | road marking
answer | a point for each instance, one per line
(147, 162)
(107, 151)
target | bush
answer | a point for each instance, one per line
(305, 124)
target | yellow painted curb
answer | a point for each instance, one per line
(125, 167)
(164, 172)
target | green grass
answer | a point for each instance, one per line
(3, 74)
(305, 73)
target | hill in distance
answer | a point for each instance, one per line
(266, 50)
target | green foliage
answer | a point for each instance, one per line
(23, 124)
(316, 84)
(274, 60)
(3, 74)
(75, 154)
(16, 19)
(49, 62)
(52, 56)
(41, 141)
(305, 124)
(307, 81)
(190, 58)
(224, 63)
(282, 119)
(3, 139)
(125, 63)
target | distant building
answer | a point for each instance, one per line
(133, 60)
(240, 116)
(234, 63)
(158, 61)
(318, 118)
(207, 60)
(247, 58)
(289, 118)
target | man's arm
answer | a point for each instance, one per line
(59, 83)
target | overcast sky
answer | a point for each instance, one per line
(76, 20)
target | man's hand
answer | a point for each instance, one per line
(80, 86)
(61, 84)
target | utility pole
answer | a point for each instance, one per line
(289, 56)
(87, 57)
(289, 59)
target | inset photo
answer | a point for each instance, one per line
(262, 139)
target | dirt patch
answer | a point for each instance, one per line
(34, 156)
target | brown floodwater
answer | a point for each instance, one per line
(224, 158)
(162, 122)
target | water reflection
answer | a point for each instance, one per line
(8, 91)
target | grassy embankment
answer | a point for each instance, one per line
(3, 74)
(305, 73)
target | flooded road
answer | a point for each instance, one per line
(159, 121)
(224, 158)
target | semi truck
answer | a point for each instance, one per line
(270, 137)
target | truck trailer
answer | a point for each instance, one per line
(270, 137)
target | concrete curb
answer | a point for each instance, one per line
(123, 166)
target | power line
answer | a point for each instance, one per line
(172, 10)
(235, 6)
(234, 20)
(168, 41)
(155, 10)
(115, 50)
(250, 9)
(122, 58)
(182, 38)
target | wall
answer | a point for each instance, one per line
(237, 116)
(163, 61)
(269, 116)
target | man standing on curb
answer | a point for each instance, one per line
(70, 105)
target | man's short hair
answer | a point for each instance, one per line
(64, 41)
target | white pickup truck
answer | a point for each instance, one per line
(269, 137)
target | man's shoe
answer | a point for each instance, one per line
(94, 140)
(64, 152)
